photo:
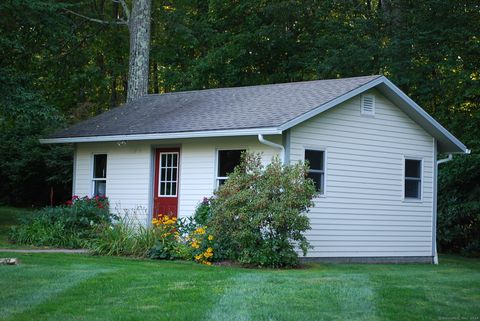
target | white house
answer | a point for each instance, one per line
(373, 155)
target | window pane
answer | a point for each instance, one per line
(314, 158)
(174, 189)
(318, 179)
(163, 174)
(175, 160)
(164, 160)
(162, 188)
(412, 188)
(169, 174)
(100, 188)
(412, 168)
(221, 182)
(174, 178)
(227, 161)
(100, 166)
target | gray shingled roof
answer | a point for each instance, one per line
(215, 109)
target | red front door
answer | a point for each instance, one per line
(165, 198)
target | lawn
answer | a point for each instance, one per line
(81, 287)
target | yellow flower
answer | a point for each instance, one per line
(209, 249)
(207, 263)
(200, 230)
(210, 237)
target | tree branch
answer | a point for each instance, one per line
(125, 8)
(120, 22)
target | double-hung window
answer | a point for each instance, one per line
(316, 161)
(99, 174)
(413, 179)
(227, 160)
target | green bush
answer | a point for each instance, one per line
(259, 214)
(63, 226)
(459, 206)
(203, 212)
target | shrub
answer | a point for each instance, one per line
(203, 212)
(259, 214)
(459, 206)
(63, 226)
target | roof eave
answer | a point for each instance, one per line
(162, 136)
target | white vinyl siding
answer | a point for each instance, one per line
(130, 173)
(364, 213)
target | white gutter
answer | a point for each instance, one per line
(441, 161)
(177, 135)
(274, 145)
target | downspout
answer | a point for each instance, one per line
(440, 161)
(274, 145)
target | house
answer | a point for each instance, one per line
(373, 154)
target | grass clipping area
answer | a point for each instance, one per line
(80, 287)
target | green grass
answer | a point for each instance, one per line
(80, 287)
(9, 216)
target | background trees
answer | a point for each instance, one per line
(57, 68)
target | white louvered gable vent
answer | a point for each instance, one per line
(368, 105)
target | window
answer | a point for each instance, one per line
(168, 174)
(316, 161)
(413, 179)
(368, 105)
(227, 161)
(99, 174)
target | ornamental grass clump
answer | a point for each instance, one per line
(259, 214)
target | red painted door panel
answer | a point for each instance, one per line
(165, 198)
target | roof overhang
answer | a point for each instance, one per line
(446, 141)
(162, 136)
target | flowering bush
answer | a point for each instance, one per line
(64, 226)
(202, 245)
(259, 214)
(167, 245)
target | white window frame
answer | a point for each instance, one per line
(94, 179)
(325, 162)
(217, 167)
(374, 107)
(422, 166)
(160, 174)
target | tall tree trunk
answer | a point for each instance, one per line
(139, 27)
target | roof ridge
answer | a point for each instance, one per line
(261, 85)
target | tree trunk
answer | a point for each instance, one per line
(139, 27)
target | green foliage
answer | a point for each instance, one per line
(124, 237)
(63, 226)
(459, 206)
(259, 214)
(203, 212)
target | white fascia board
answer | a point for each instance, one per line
(196, 134)
(331, 103)
(438, 127)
